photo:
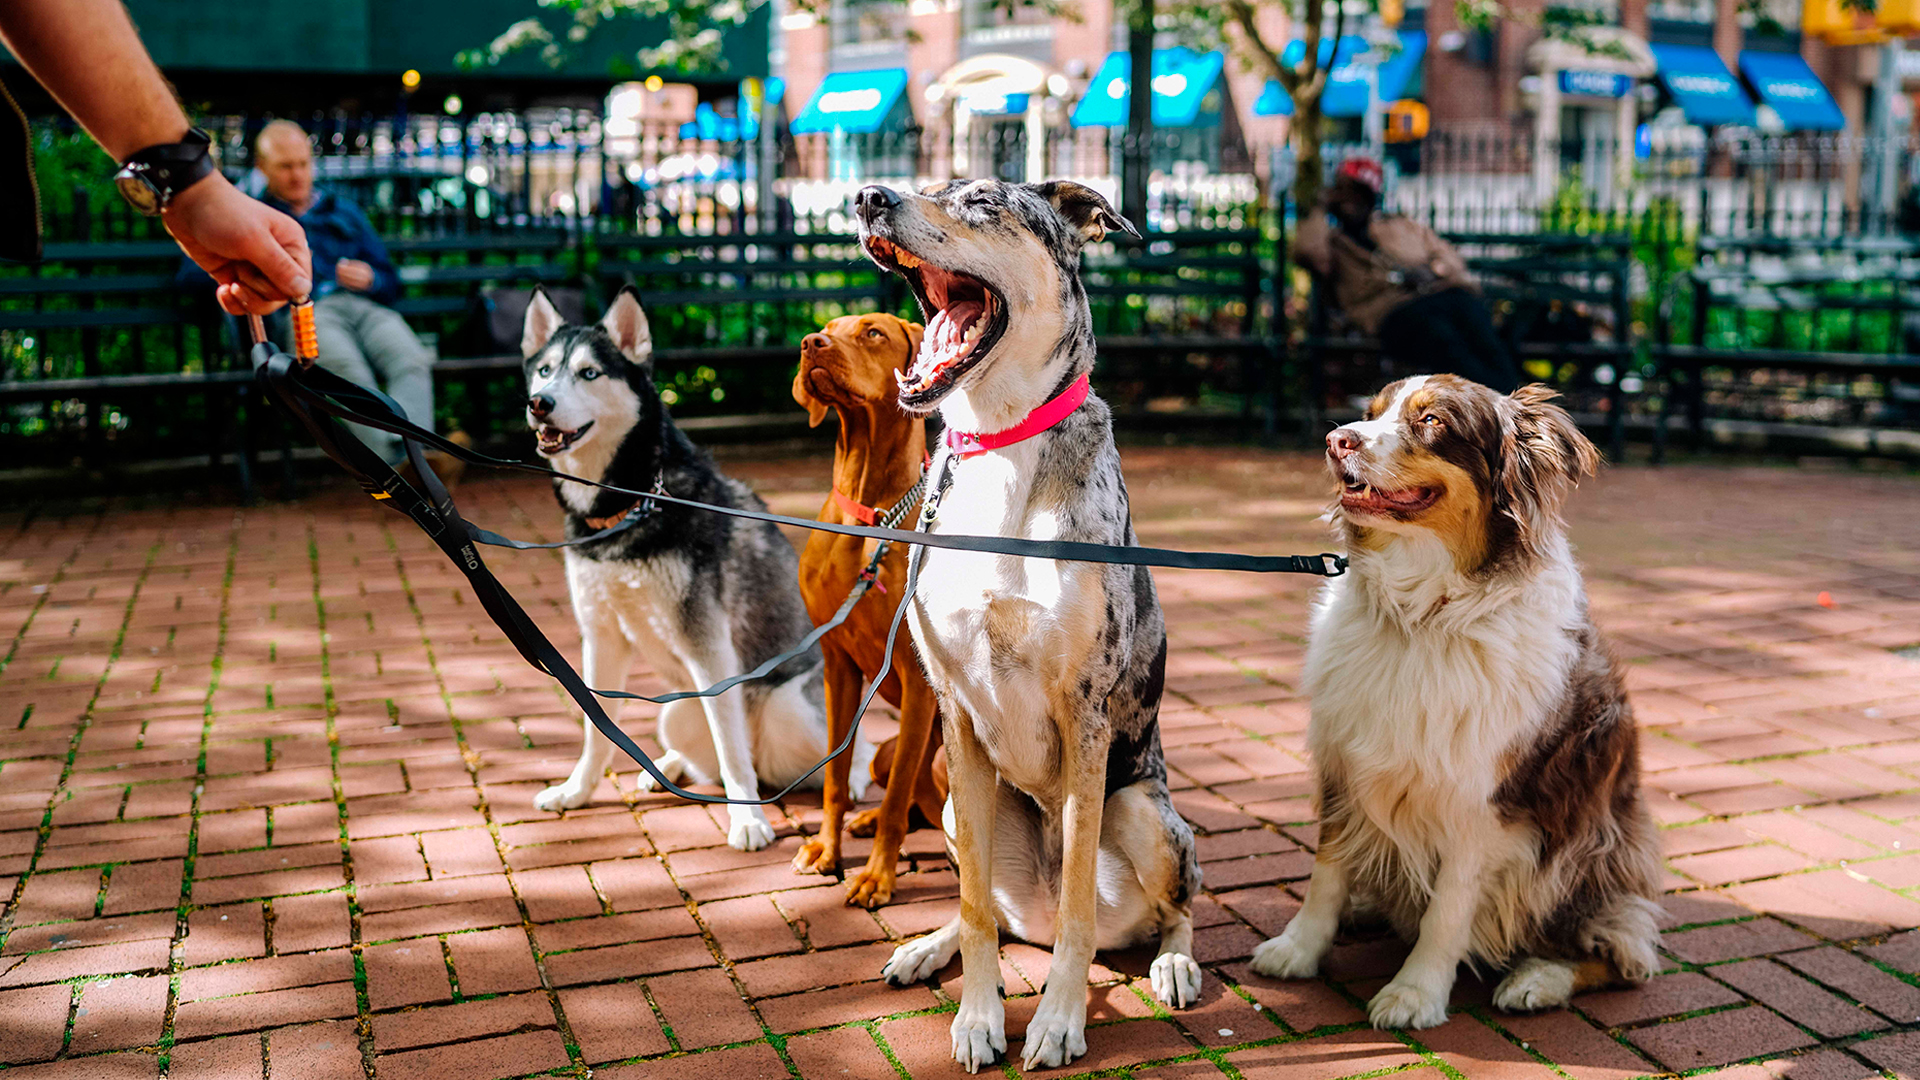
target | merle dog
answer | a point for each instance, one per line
(1049, 674)
(699, 595)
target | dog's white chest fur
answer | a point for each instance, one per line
(998, 629)
(1416, 702)
(637, 599)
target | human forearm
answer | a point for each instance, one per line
(86, 53)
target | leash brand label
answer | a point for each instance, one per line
(472, 557)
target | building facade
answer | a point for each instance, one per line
(1000, 92)
(990, 91)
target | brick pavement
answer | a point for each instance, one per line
(265, 812)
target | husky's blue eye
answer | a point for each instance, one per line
(545, 370)
(590, 373)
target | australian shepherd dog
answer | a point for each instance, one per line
(1475, 755)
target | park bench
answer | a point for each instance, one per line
(1192, 296)
(108, 349)
(1796, 329)
(739, 304)
(1560, 302)
(446, 284)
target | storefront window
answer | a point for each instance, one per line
(1771, 18)
(988, 15)
(1681, 11)
(1571, 14)
(862, 22)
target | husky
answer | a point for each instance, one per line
(1049, 674)
(698, 595)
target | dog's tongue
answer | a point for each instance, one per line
(946, 337)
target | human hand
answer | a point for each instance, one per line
(1418, 277)
(256, 254)
(353, 274)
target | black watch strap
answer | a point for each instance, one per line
(170, 168)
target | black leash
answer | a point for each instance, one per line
(319, 389)
(316, 399)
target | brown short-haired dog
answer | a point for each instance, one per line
(849, 366)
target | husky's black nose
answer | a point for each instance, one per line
(539, 405)
(875, 199)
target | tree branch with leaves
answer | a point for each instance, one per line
(1305, 81)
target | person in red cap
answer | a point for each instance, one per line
(1397, 280)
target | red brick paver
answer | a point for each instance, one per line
(266, 781)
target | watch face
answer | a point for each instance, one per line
(139, 193)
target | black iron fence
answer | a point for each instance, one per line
(570, 168)
(1762, 249)
(1811, 185)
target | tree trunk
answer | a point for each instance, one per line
(1136, 148)
(1304, 85)
(1305, 133)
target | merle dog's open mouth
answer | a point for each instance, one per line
(555, 440)
(1361, 496)
(965, 318)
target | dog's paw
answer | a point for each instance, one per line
(817, 857)
(917, 960)
(564, 796)
(870, 888)
(1634, 960)
(865, 823)
(1406, 1006)
(671, 764)
(1533, 985)
(980, 1035)
(1284, 957)
(749, 832)
(1057, 1033)
(1176, 979)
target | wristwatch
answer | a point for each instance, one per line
(152, 178)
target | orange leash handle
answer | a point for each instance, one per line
(306, 341)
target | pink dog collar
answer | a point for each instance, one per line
(967, 444)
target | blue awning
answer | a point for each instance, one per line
(1701, 85)
(707, 124)
(1182, 79)
(1784, 81)
(856, 101)
(1346, 92)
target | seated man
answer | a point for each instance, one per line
(1397, 280)
(361, 337)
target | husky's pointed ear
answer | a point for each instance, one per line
(542, 320)
(626, 323)
(1085, 209)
